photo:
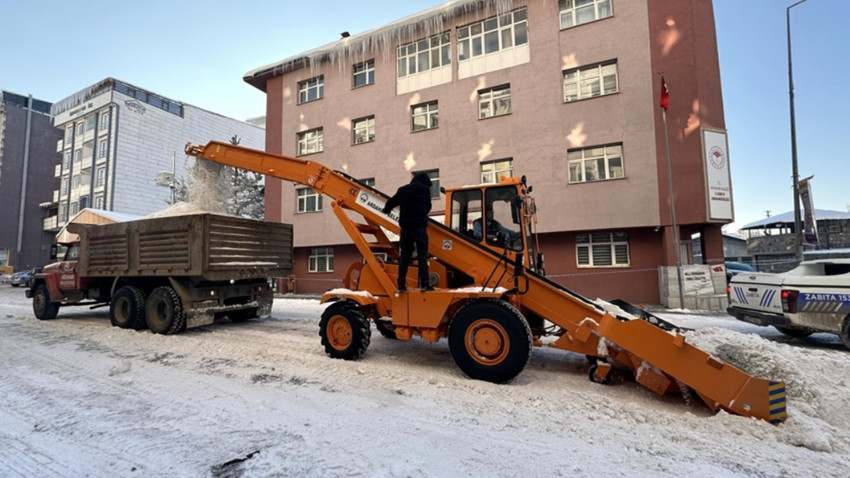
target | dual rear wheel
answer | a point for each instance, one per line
(161, 311)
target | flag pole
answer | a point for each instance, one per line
(664, 105)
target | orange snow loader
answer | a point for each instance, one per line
(492, 300)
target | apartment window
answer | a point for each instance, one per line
(321, 259)
(98, 201)
(311, 90)
(492, 35)
(69, 131)
(364, 73)
(75, 181)
(493, 171)
(104, 120)
(434, 176)
(596, 164)
(91, 122)
(78, 155)
(424, 55)
(424, 116)
(63, 186)
(66, 161)
(363, 130)
(590, 81)
(607, 249)
(63, 212)
(84, 202)
(75, 207)
(309, 200)
(576, 12)
(310, 142)
(494, 102)
(80, 127)
(101, 149)
(100, 178)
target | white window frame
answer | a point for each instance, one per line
(66, 160)
(311, 86)
(75, 208)
(434, 176)
(591, 81)
(98, 201)
(493, 171)
(319, 255)
(104, 120)
(589, 10)
(427, 113)
(306, 196)
(492, 35)
(607, 160)
(102, 147)
(605, 249)
(78, 155)
(100, 177)
(424, 55)
(311, 141)
(75, 181)
(364, 71)
(80, 128)
(363, 130)
(493, 102)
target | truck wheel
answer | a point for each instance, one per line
(42, 307)
(127, 308)
(165, 313)
(345, 331)
(845, 332)
(791, 332)
(242, 315)
(490, 340)
(387, 330)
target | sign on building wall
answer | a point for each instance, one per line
(718, 181)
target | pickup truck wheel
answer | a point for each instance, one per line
(345, 331)
(42, 306)
(490, 340)
(845, 332)
(242, 315)
(797, 333)
(127, 308)
(165, 313)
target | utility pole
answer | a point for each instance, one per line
(798, 233)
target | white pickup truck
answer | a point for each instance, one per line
(813, 297)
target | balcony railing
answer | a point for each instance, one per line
(51, 223)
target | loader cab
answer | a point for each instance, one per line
(495, 215)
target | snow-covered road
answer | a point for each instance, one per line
(81, 398)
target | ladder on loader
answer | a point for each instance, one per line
(492, 299)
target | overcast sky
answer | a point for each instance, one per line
(197, 51)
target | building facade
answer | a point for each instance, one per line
(27, 159)
(117, 137)
(565, 93)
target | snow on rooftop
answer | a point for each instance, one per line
(788, 218)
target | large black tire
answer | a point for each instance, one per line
(127, 308)
(242, 315)
(164, 311)
(490, 340)
(386, 329)
(345, 331)
(796, 333)
(845, 332)
(42, 307)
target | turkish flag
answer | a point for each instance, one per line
(665, 94)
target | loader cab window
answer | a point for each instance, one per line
(494, 221)
(466, 208)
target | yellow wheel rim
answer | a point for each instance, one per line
(339, 332)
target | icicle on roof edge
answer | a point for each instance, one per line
(383, 39)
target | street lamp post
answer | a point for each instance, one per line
(798, 233)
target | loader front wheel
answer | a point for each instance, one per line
(490, 340)
(845, 332)
(165, 314)
(127, 308)
(345, 331)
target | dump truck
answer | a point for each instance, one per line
(492, 300)
(168, 273)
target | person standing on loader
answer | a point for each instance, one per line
(415, 202)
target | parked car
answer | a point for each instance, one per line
(734, 268)
(20, 278)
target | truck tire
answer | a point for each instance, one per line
(345, 331)
(845, 332)
(792, 332)
(165, 314)
(242, 315)
(127, 308)
(387, 330)
(42, 306)
(490, 340)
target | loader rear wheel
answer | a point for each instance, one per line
(387, 330)
(345, 331)
(797, 333)
(127, 308)
(42, 306)
(165, 314)
(490, 340)
(845, 332)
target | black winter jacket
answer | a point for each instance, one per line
(415, 201)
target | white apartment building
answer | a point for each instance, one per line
(117, 137)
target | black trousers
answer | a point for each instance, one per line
(413, 236)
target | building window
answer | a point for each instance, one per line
(596, 164)
(66, 161)
(310, 142)
(311, 90)
(63, 186)
(321, 259)
(84, 202)
(309, 200)
(100, 178)
(424, 116)
(493, 171)
(69, 131)
(492, 35)
(80, 127)
(63, 212)
(424, 55)
(590, 81)
(98, 201)
(576, 12)
(75, 181)
(434, 176)
(364, 73)
(78, 155)
(607, 249)
(101, 149)
(363, 129)
(74, 207)
(104, 120)
(494, 102)
(91, 122)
